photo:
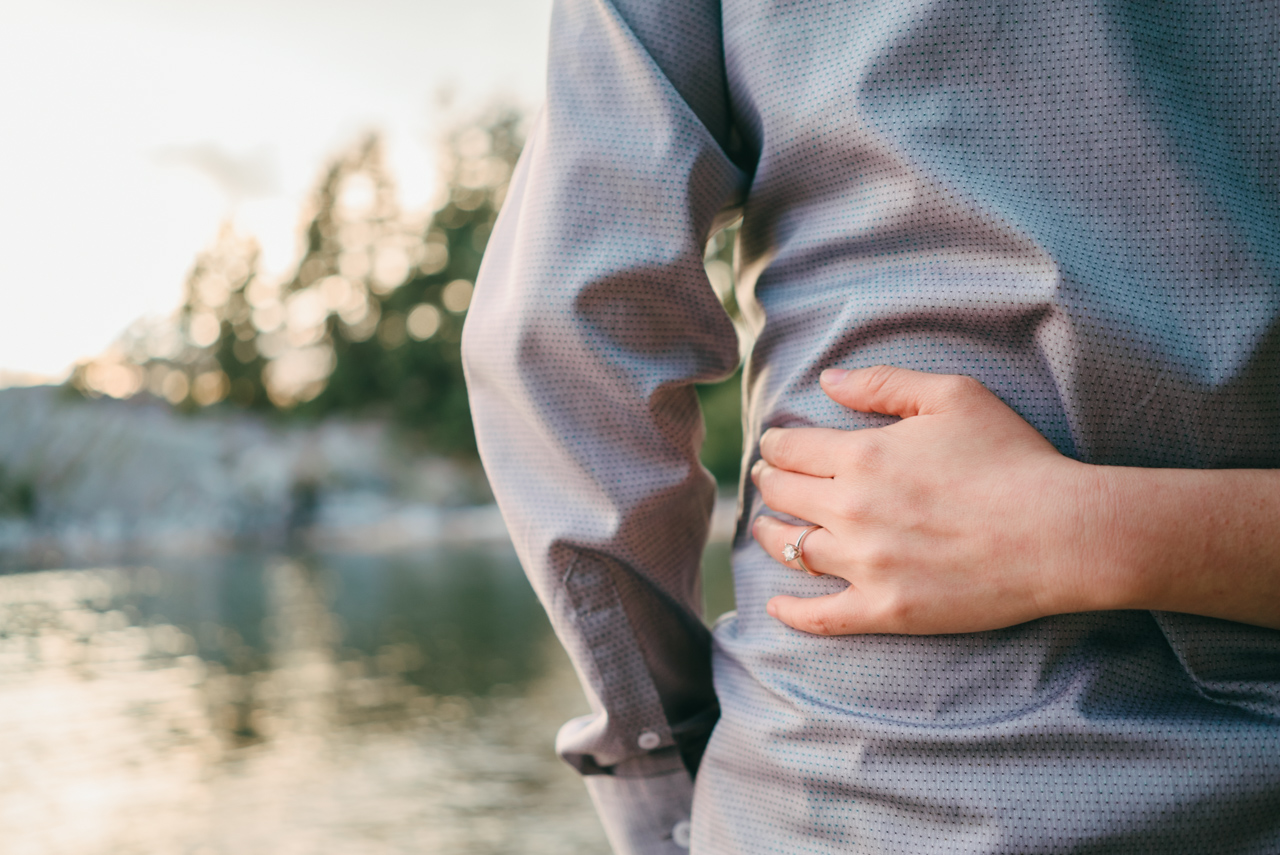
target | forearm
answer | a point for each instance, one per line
(1203, 542)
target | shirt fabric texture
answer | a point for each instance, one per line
(1076, 203)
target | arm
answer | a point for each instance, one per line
(1202, 542)
(962, 518)
(592, 320)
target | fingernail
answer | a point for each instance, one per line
(771, 609)
(756, 467)
(832, 376)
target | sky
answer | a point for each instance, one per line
(133, 128)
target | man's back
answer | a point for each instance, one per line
(1077, 204)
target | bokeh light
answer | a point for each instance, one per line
(143, 125)
(423, 321)
(457, 295)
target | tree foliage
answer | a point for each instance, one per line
(369, 321)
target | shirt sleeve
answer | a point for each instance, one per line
(592, 319)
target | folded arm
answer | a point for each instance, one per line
(591, 322)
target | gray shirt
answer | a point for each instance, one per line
(1077, 203)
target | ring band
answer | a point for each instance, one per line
(795, 551)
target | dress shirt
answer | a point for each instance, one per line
(1077, 203)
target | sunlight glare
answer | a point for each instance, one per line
(136, 128)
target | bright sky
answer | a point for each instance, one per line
(134, 127)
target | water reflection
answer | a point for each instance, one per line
(269, 704)
(278, 704)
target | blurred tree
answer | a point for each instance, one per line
(17, 495)
(722, 402)
(187, 359)
(370, 320)
(406, 362)
(722, 410)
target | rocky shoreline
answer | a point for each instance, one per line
(86, 482)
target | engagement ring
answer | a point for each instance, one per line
(795, 551)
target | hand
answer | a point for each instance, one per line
(960, 517)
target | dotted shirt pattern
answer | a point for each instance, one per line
(1077, 203)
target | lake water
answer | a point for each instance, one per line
(290, 704)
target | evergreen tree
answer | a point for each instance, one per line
(370, 321)
(410, 366)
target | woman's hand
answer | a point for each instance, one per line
(960, 517)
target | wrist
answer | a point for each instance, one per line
(1095, 571)
(1138, 535)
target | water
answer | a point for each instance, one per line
(290, 704)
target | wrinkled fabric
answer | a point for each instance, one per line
(1077, 204)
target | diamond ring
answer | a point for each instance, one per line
(795, 551)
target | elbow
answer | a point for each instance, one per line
(486, 352)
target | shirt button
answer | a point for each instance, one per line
(649, 740)
(681, 833)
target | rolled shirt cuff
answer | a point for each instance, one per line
(645, 804)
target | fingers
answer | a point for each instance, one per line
(817, 550)
(834, 614)
(802, 496)
(900, 391)
(810, 451)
